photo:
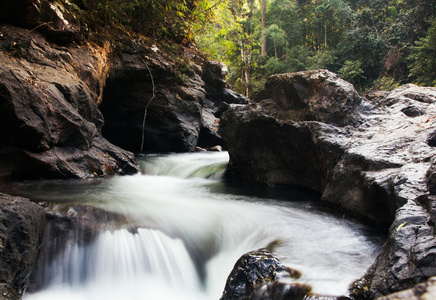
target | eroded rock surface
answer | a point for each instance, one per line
(422, 291)
(181, 110)
(22, 226)
(372, 157)
(50, 124)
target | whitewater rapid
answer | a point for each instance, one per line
(183, 230)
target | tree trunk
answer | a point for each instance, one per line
(246, 52)
(263, 49)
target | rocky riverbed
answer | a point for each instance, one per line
(373, 157)
(70, 107)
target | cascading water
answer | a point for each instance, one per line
(176, 230)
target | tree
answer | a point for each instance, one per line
(277, 35)
(423, 59)
(263, 50)
(352, 71)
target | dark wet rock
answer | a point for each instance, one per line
(50, 124)
(431, 140)
(174, 104)
(214, 75)
(255, 276)
(22, 226)
(431, 177)
(409, 254)
(259, 275)
(412, 111)
(370, 158)
(282, 291)
(181, 107)
(422, 291)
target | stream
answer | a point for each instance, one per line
(176, 230)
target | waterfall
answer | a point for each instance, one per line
(120, 264)
(175, 231)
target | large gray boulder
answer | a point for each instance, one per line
(311, 96)
(22, 225)
(296, 134)
(371, 157)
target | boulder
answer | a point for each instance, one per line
(256, 276)
(50, 124)
(22, 226)
(259, 275)
(214, 75)
(373, 158)
(317, 95)
(282, 139)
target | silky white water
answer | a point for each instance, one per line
(183, 230)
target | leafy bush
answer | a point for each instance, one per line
(352, 71)
(385, 83)
(423, 59)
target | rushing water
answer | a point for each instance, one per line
(181, 231)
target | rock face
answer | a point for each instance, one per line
(50, 125)
(21, 230)
(45, 16)
(52, 90)
(173, 98)
(181, 109)
(372, 157)
(422, 291)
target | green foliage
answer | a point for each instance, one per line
(183, 69)
(385, 84)
(423, 59)
(321, 60)
(352, 71)
(368, 42)
(278, 38)
(156, 18)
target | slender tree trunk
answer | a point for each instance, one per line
(275, 48)
(246, 54)
(325, 34)
(263, 49)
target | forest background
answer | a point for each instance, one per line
(374, 44)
